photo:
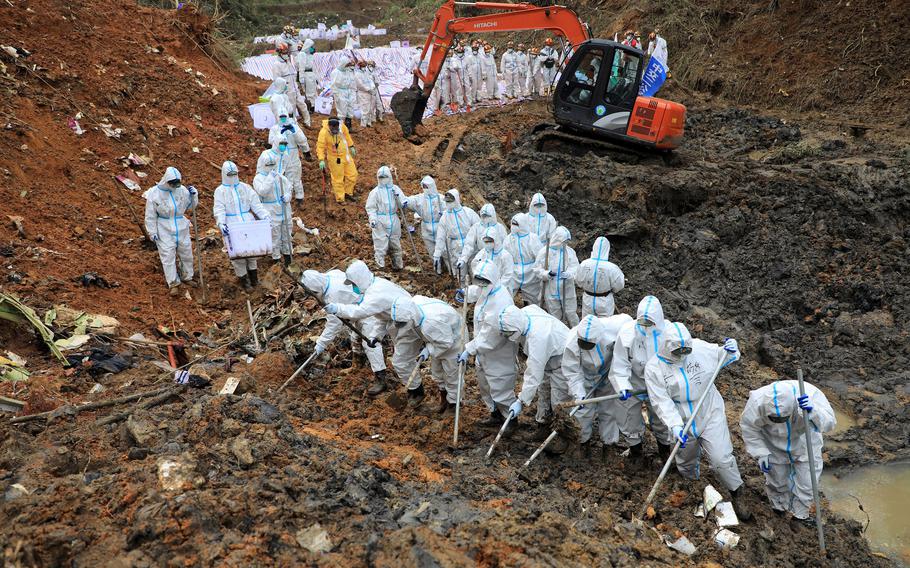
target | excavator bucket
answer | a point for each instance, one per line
(408, 105)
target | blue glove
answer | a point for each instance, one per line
(459, 265)
(372, 224)
(515, 409)
(411, 229)
(331, 309)
(287, 128)
(764, 464)
(319, 350)
(730, 345)
(463, 357)
(424, 355)
(224, 229)
(459, 295)
(154, 238)
(804, 403)
(371, 343)
(285, 198)
(191, 189)
(552, 274)
(625, 394)
(682, 438)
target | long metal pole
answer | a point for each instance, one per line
(498, 436)
(685, 429)
(298, 371)
(463, 366)
(546, 266)
(584, 401)
(815, 495)
(407, 386)
(199, 258)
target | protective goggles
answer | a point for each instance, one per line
(174, 183)
(585, 344)
(778, 419)
(645, 322)
(450, 198)
(481, 281)
(680, 351)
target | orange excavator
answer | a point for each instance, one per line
(596, 93)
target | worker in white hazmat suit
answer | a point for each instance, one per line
(382, 213)
(549, 64)
(470, 66)
(477, 52)
(428, 207)
(297, 143)
(363, 80)
(286, 69)
(274, 191)
(378, 107)
(344, 90)
(542, 223)
(456, 80)
(489, 224)
(438, 326)
(374, 313)
(535, 77)
(509, 65)
(494, 251)
(495, 354)
(306, 72)
(657, 47)
(237, 202)
(166, 205)
(599, 279)
(524, 246)
(556, 267)
(638, 341)
(774, 433)
(586, 365)
(543, 339)
(676, 379)
(453, 230)
(489, 72)
(524, 70)
(330, 288)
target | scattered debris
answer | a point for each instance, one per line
(711, 498)
(726, 517)
(240, 447)
(11, 404)
(78, 322)
(11, 309)
(73, 123)
(73, 342)
(17, 222)
(315, 539)
(682, 544)
(725, 538)
(94, 279)
(15, 491)
(230, 386)
(130, 184)
(97, 388)
(178, 474)
(110, 131)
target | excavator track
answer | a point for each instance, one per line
(548, 137)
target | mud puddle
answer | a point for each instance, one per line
(883, 491)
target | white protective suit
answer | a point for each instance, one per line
(306, 71)
(236, 202)
(285, 69)
(599, 279)
(509, 67)
(456, 81)
(543, 339)
(478, 74)
(634, 347)
(782, 446)
(674, 386)
(496, 253)
(542, 223)
(365, 93)
(167, 225)
(331, 289)
(471, 67)
(657, 48)
(428, 206)
(274, 191)
(344, 89)
(438, 327)
(556, 268)
(495, 354)
(378, 107)
(453, 230)
(439, 97)
(489, 73)
(549, 65)
(535, 76)
(374, 313)
(489, 225)
(587, 373)
(297, 143)
(382, 212)
(524, 72)
(524, 246)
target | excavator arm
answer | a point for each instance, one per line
(410, 104)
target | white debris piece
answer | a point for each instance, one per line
(725, 538)
(726, 517)
(682, 544)
(711, 498)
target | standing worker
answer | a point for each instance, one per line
(366, 88)
(344, 90)
(490, 78)
(456, 80)
(542, 223)
(382, 207)
(657, 47)
(286, 69)
(274, 191)
(494, 251)
(236, 202)
(428, 207)
(508, 66)
(166, 224)
(549, 59)
(774, 432)
(335, 149)
(556, 267)
(452, 232)
(306, 72)
(292, 168)
(524, 70)
(489, 224)
(471, 66)
(377, 107)
(524, 245)
(599, 279)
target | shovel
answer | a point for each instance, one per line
(498, 437)
(298, 371)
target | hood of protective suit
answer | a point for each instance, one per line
(650, 307)
(171, 173)
(404, 310)
(227, 168)
(512, 319)
(497, 240)
(281, 86)
(266, 162)
(779, 400)
(278, 140)
(524, 224)
(343, 62)
(315, 281)
(676, 335)
(384, 171)
(488, 271)
(307, 43)
(430, 184)
(590, 328)
(601, 249)
(538, 199)
(488, 211)
(560, 236)
(453, 206)
(359, 274)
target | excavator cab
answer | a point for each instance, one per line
(597, 94)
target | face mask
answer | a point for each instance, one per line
(512, 335)
(282, 148)
(283, 119)
(539, 206)
(356, 289)
(480, 283)
(514, 229)
(312, 50)
(487, 221)
(778, 419)
(488, 246)
(174, 183)
(450, 205)
(645, 322)
(585, 345)
(401, 324)
(679, 355)
(385, 181)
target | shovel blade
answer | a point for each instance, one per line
(396, 400)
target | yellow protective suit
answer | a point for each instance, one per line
(336, 151)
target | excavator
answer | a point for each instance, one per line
(596, 93)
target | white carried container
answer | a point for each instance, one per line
(249, 239)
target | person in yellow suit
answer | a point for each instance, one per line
(335, 150)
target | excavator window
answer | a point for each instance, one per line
(621, 87)
(584, 78)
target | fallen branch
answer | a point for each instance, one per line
(89, 406)
(154, 401)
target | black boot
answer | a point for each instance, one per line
(663, 450)
(287, 259)
(245, 282)
(416, 396)
(443, 404)
(494, 420)
(739, 506)
(636, 454)
(347, 122)
(379, 384)
(254, 277)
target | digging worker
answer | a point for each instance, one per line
(556, 267)
(676, 379)
(773, 430)
(383, 205)
(494, 251)
(437, 327)
(599, 279)
(428, 208)
(524, 246)
(452, 233)
(335, 150)
(166, 224)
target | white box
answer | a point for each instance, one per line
(249, 239)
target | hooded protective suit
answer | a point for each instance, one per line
(635, 346)
(236, 202)
(556, 267)
(498, 255)
(382, 212)
(336, 151)
(542, 223)
(297, 143)
(524, 246)
(549, 60)
(543, 339)
(429, 207)
(453, 230)
(306, 71)
(167, 225)
(330, 287)
(509, 67)
(274, 191)
(599, 279)
(524, 71)
(674, 386)
(456, 80)
(287, 92)
(438, 328)
(344, 88)
(489, 225)
(495, 353)
(488, 71)
(782, 446)
(471, 67)
(366, 89)
(587, 372)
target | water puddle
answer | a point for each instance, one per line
(844, 422)
(884, 491)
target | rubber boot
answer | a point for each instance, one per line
(348, 122)
(739, 505)
(663, 450)
(174, 291)
(443, 404)
(494, 420)
(287, 259)
(254, 277)
(379, 384)
(543, 430)
(245, 282)
(360, 359)
(636, 454)
(416, 396)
